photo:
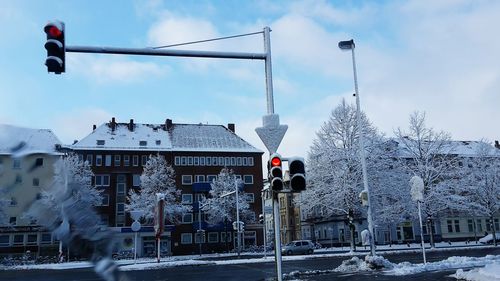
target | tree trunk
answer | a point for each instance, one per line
(431, 232)
(353, 242)
(494, 231)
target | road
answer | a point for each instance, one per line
(254, 271)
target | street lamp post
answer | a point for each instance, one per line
(200, 231)
(349, 45)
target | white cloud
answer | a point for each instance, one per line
(75, 124)
(111, 69)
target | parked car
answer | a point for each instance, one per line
(298, 247)
(488, 239)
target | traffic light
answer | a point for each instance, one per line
(55, 61)
(297, 174)
(275, 172)
(261, 219)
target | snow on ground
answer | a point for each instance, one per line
(491, 272)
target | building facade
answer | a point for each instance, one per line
(117, 153)
(27, 158)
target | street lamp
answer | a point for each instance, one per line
(417, 194)
(349, 45)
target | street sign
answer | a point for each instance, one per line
(136, 226)
(271, 133)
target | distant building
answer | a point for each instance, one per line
(27, 157)
(197, 152)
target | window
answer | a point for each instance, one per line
(208, 161)
(187, 179)
(126, 160)
(251, 197)
(80, 157)
(89, 159)
(36, 182)
(19, 179)
(221, 161)
(186, 238)
(457, 226)
(45, 238)
(39, 161)
(177, 160)
(227, 161)
(4, 240)
(18, 239)
(197, 237)
(13, 220)
(479, 225)
(199, 197)
(187, 218)
(450, 225)
(211, 178)
(100, 142)
(488, 225)
(233, 161)
(238, 161)
(117, 160)
(250, 161)
(190, 161)
(214, 161)
(470, 225)
(213, 237)
(104, 199)
(225, 237)
(32, 239)
(143, 143)
(120, 209)
(199, 178)
(196, 161)
(16, 164)
(136, 180)
(497, 224)
(202, 161)
(13, 201)
(248, 179)
(244, 161)
(98, 160)
(187, 198)
(120, 188)
(144, 159)
(101, 180)
(158, 142)
(183, 161)
(107, 161)
(135, 160)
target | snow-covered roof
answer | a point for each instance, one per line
(20, 141)
(163, 137)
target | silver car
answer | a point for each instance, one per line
(298, 247)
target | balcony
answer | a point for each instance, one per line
(199, 187)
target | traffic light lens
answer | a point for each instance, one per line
(276, 161)
(54, 31)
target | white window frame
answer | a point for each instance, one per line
(185, 240)
(198, 237)
(32, 242)
(190, 160)
(221, 161)
(196, 161)
(89, 159)
(117, 158)
(199, 178)
(245, 177)
(16, 163)
(238, 161)
(187, 179)
(177, 160)
(202, 161)
(121, 188)
(135, 160)
(208, 161)
(223, 234)
(187, 198)
(144, 160)
(5, 244)
(214, 161)
(183, 161)
(214, 177)
(189, 220)
(136, 180)
(126, 160)
(250, 161)
(251, 197)
(104, 200)
(244, 161)
(233, 161)
(98, 160)
(107, 161)
(211, 236)
(102, 177)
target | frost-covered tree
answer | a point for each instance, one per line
(431, 155)
(483, 182)
(67, 206)
(223, 209)
(157, 177)
(334, 176)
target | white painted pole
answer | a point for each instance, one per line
(421, 231)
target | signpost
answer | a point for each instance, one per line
(136, 226)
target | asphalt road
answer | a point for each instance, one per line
(254, 271)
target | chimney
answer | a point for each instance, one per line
(131, 125)
(168, 124)
(497, 144)
(94, 127)
(230, 126)
(113, 124)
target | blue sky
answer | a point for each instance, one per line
(440, 57)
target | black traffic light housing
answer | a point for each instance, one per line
(297, 171)
(56, 49)
(275, 172)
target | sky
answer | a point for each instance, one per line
(438, 57)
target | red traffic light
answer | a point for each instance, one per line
(54, 31)
(276, 161)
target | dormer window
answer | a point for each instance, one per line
(100, 142)
(158, 142)
(143, 143)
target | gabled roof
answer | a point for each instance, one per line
(159, 137)
(19, 141)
